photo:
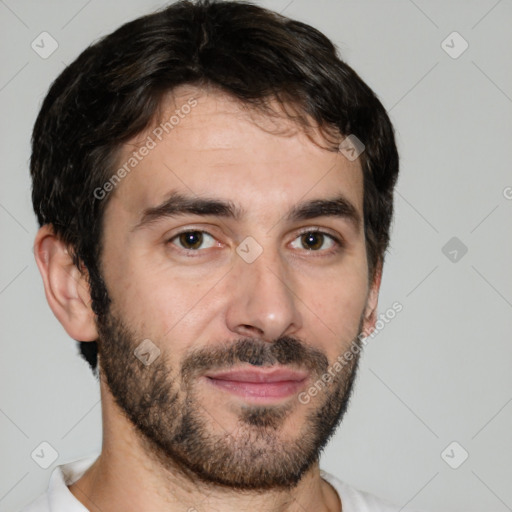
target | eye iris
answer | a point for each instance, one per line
(312, 240)
(191, 240)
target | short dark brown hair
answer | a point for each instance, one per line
(112, 92)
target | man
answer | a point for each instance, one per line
(214, 188)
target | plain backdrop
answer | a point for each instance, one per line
(435, 385)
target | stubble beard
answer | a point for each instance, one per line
(165, 407)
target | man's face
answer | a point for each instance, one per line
(248, 308)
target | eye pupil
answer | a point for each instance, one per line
(312, 240)
(191, 239)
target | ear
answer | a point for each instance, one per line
(370, 314)
(66, 287)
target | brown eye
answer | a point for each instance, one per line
(316, 241)
(193, 240)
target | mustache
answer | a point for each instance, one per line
(286, 350)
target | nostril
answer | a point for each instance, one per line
(252, 328)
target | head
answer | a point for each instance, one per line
(199, 209)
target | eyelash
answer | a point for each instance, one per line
(338, 242)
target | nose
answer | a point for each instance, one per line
(262, 300)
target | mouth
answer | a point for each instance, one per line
(259, 384)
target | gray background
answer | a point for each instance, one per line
(438, 372)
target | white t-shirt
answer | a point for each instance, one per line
(58, 497)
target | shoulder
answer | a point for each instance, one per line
(356, 500)
(57, 496)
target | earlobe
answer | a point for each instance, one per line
(370, 314)
(66, 288)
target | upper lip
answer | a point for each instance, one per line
(260, 375)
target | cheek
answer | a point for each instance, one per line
(333, 307)
(167, 305)
(337, 313)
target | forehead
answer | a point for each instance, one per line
(205, 143)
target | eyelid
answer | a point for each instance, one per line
(317, 229)
(190, 228)
(336, 238)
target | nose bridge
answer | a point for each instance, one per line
(263, 303)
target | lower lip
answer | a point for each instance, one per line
(261, 391)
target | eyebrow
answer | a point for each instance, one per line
(177, 204)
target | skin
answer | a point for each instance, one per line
(322, 298)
